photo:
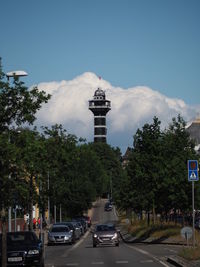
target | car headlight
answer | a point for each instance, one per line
(71, 233)
(95, 236)
(51, 237)
(33, 252)
(114, 236)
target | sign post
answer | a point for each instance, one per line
(192, 177)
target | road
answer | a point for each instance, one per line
(126, 255)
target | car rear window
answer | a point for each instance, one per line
(60, 229)
(18, 238)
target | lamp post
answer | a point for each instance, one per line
(17, 73)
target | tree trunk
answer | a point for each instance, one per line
(31, 204)
(148, 218)
(4, 238)
(154, 213)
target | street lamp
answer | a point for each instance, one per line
(16, 73)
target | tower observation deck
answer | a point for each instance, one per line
(99, 107)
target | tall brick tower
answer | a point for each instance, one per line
(99, 107)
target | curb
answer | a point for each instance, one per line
(179, 262)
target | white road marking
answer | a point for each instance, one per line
(72, 264)
(75, 245)
(81, 240)
(121, 262)
(97, 262)
(148, 254)
(146, 261)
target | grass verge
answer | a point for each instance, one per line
(162, 231)
(190, 253)
(154, 231)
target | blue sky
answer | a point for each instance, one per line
(154, 43)
(146, 51)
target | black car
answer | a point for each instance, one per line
(23, 249)
(108, 206)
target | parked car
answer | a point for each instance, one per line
(105, 234)
(23, 249)
(60, 234)
(81, 227)
(108, 206)
(71, 227)
(78, 228)
(83, 222)
(88, 219)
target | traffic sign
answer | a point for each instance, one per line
(193, 170)
(186, 232)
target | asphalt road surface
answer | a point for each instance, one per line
(126, 255)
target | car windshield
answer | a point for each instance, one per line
(105, 228)
(60, 229)
(21, 238)
(68, 224)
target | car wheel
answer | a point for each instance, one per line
(94, 245)
(117, 244)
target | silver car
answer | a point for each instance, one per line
(60, 234)
(77, 227)
(105, 234)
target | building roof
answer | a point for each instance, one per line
(194, 130)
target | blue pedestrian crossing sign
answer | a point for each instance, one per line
(193, 170)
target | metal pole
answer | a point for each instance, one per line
(111, 187)
(15, 212)
(193, 215)
(9, 220)
(41, 229)
(9, 209)
(48, 217)
(4, 238)
(60, 213)
(54, 213)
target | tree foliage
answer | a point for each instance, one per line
(18, 105)
(157, 169)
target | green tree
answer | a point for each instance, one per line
(60, 156)
(18, 105)
(110, 159)
(145, 168)
(31, 165)
(178, 148)
(157, 169)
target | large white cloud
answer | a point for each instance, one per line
(131, 108)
